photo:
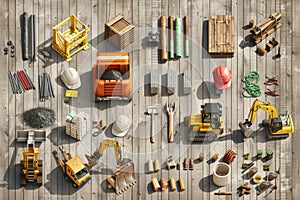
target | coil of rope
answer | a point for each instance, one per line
(251, 86)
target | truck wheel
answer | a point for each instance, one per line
(74, 185)
(66, 178)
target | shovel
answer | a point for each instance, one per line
(152, 110)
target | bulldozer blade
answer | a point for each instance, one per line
(123, 179)
(91, 161)
(245, 129)
(37, 135)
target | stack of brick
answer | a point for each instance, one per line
(77, 125)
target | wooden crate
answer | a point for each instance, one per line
(119, 32)
(221, 35)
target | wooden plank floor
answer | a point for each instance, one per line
(136, 145)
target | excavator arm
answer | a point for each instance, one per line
(265, 106)
(256, 106)
(93, 159)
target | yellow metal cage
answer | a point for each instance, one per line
(69, 42)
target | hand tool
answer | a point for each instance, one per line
(171, 111)
(152, 110)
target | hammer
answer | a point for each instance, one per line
(152, 110)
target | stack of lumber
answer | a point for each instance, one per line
(266, 28)
(221, 35)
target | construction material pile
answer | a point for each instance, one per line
(39, 117)
(45, 87)
(266, 27)
(20, 81)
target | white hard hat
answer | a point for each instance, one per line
(121, 126)
(71, 78)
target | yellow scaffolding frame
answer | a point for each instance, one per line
(72, 40)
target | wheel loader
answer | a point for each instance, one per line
(280, 126)
(31, 166)
(78, 173)
(206, 125)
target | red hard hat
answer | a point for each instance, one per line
(222, 77)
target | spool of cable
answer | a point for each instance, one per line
(163, 39)
(178, 38)
(24, 35)
(171, 37)
(186, 36)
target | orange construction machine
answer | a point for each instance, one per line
(112, 76)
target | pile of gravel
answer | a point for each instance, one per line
(111, 75)
(39, 117)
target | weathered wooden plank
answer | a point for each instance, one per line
(5, 108)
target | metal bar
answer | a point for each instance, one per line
(177, 37)
(45, 88)
(32, 37)
(25, 80)
(171, 37)
(28, 78)
(22, 80)
(39, 86)
(19, 84)
(11, 82)
(51, 87)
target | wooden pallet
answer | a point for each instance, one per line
(221, 35)
(119, 32)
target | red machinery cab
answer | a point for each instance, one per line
(119, 88)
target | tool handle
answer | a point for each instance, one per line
(170, 128)
(152, 137)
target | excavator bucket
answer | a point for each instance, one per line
(37, 135)
(123, 179)
(245, 129)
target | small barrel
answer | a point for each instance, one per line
(181, 184)
(111, 182)
(186, 163)
(155, 184)
(163, 39)
(163, 184)
(191, 163)
(172, 184)
(201, 157)
(251, 23)
(156, 165)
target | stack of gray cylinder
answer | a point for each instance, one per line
(28, 37)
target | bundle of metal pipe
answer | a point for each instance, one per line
(45, 87)
(28, 37)
(20, 81)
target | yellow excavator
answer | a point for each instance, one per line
(78, 173)
(280, 126)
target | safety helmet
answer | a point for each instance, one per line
(222, 77)
(71, 78)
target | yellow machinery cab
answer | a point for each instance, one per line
(77, 171)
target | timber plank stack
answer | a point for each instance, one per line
(119, 32)
(266, 27)
(221, 35)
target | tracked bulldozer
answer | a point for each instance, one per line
(123, 178)
(206, 125)
(31, 165)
